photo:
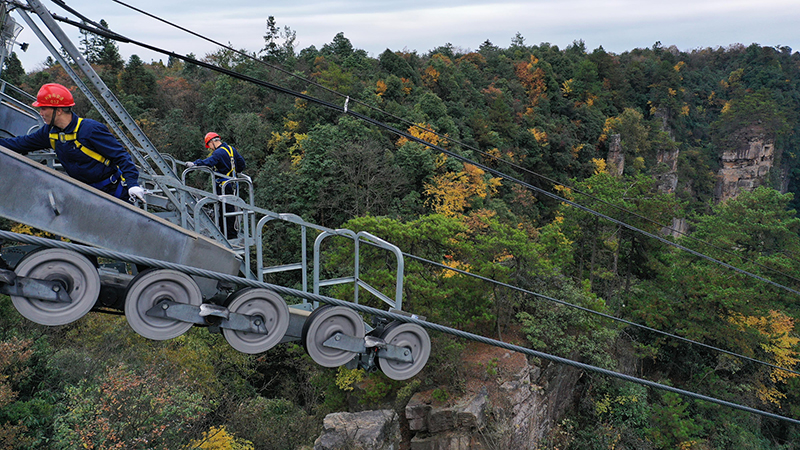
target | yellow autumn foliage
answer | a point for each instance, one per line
(291, 125)
(288, 141)
(566, 87)
(576, 150)
(450, 192)
(430, 77)
(600, 166)
(453, 264)
(380, 88)
(420, 131)
(296, 151)
(777, 328)
(30, 231)
(218, 438)
(346, 378)
(539, 135)
(609, 126)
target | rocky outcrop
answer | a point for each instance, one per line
(744, 167)
(507, 403)
(513, 405)
(679, 227)
(368, 430)
(615, 159)
(456, 427)
(667, 171)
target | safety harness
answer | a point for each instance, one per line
(231, 173)
(73, 137)
(229, 151)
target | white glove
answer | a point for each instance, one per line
(135, 193)
(189, 164)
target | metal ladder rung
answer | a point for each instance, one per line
(334, 281)
(283, 268)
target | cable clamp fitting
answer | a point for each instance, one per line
(346, 101)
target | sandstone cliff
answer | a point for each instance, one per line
(507, 403)
(745, 166)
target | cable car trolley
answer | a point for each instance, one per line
(164, 263)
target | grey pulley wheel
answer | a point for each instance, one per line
(269, 308)
(152, 287)
(73, 271)
(325, 322)
(414, 340)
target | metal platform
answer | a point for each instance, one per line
(45, 199)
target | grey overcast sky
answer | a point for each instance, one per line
(412, 25)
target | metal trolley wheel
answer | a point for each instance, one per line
(71, 269)
(150, 288)
(323, 323)
(412, 337)
(272, 310)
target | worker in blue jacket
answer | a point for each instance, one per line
(225, 160)
(85, 148)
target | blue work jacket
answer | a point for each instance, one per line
(94, 136)
(220, 160)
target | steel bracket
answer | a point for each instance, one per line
(352, 344)
(169, 309)
(45, 290)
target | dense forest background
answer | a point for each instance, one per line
(541, 114)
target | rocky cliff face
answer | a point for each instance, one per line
(507, 403)
(615, 160)
(745, 166)
(374, 430)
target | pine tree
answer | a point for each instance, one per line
(12, 70)
(107, 52)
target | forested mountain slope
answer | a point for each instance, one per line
(705, 142)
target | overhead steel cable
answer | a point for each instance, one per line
(413, 138)
(238, 52)
(442, 136)
(447, 152)
(598, 313)
(34, 240)
(607, 316)
(486, 340)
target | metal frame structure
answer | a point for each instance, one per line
(171, 198)
(177, 224)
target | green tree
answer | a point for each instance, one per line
(749, 115)
(139, 85)
(128, 410)
(274, 49)
(106, 52)
(611, 257)
(12, 69)
(14, 354)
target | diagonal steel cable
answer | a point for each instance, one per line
(380, 313)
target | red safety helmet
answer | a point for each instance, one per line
(54, 95)
(209, 136)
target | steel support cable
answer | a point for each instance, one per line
(454, 155)
(577, 306)
(455, 332)
(34, 240)
(108, 33)
(450, 139)
(410, 137)
(597, 313)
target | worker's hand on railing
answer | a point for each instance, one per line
(136, 193)
(189, 164)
